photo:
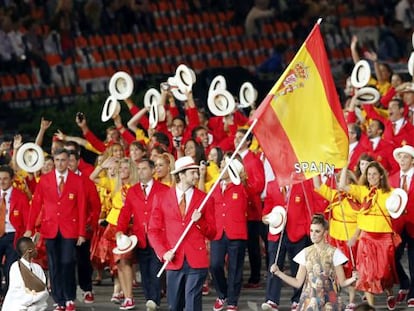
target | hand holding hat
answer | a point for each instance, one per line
(125, 244)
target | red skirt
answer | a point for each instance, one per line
(376, 262)
(95, 248)
(342, 245)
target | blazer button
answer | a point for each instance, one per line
(145, 213)
(58, 214)
(58, 203)
(224, 214)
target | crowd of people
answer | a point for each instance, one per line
(172, 195)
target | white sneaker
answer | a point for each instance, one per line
(270, 306)
(151, 305)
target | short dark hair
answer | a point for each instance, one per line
(60, 151)
(249, 137)
(149, 161)
(319, 219)
(399, 101)
(73, 152)
(7, 169)
(73, 144)
(162, 138)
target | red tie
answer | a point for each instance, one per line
(61, 184)
(404, 182)
(3, 214)
(144, 190)
(182, 205)
(394, 127)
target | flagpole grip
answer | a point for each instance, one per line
(203, 203)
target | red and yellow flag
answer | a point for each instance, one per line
(300, 124)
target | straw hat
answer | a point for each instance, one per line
(125, 244)
(368, 95)
(30, 157)
(184, 163)
(110, 109)
(218, 83)
(185, 78)
(247, 95)
(276, 219)
(121, 85)
(396, 202)
(404, 149)
(221, 102)
(360, 74)
(234, 170)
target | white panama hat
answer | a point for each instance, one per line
(121, 85)
(30, 157)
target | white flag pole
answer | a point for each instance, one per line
(203, 203)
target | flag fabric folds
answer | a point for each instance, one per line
(300, 124)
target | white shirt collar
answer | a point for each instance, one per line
(375, 142)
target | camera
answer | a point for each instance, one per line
(80, 116)
(205, 163)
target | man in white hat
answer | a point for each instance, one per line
(404, 225)
(138, 207)
(172, 212)
(407, 92)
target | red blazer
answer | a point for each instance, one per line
(65, 213)
(255, 185)
(383, 155)
(139, 208)
(360, 149)
(93, 205)
(19, 212)
(406, 220)
(166, 226)
(231, 212)
(299, 213)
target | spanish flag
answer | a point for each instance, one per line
(300, 124)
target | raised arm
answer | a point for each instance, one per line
(132, 123)
(44, 125)
(342, 180)
(354, 49)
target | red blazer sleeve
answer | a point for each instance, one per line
(95, 141)
(127, 136)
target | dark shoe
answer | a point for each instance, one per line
(252, 285)
(97, 282)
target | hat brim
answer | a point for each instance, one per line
(189, 167)
(134, 241)
(185, 78)
(360, 74)
(37, 164)
(368, 95)
(247, 95)
(404, 199)
(410, 64)
(179, 94)
(218, 83)
(118, 79)
(151, 96)
(277, 229)
(221, 108)
(402, 149)
(110, 109)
